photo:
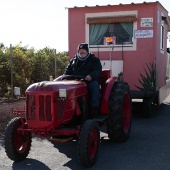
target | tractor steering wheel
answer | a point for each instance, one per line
(72, 77)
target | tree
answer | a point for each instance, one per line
(29, 66)
(62, 62)
(44, 61)
(22, 68)
(4, 69)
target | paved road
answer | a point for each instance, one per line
(148, 148)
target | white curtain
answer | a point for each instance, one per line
(96, 33)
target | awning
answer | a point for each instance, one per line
(107, 20)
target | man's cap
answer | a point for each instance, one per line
(83, 46)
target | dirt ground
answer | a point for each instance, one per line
(6, 108)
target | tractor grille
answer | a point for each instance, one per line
(31, 107)
(40, 105)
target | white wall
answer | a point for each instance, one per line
(116, 66)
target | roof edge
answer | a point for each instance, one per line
(115, 5)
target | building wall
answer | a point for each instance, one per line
(144, 50)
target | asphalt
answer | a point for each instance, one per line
(164, 94)
(148, 148)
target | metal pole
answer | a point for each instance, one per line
(55, 62)
(11, 61)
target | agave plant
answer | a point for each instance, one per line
(120, 76)
(148, 82)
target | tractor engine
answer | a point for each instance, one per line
(52, 103)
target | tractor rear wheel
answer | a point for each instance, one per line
(17, 143)
(88, 143)
(119, 121)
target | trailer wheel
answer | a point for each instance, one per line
(88, 143)
(150, 105)
(119, 121)
(147, 108)
(17, 144)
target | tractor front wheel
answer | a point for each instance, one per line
(88, 143)
(17, 143)
(119, 121)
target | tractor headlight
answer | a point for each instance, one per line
(62, 93)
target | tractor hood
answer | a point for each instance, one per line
(54, 86)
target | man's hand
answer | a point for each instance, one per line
(88, 78)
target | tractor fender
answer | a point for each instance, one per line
(105, 95)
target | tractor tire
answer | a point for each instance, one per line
(17, 144)
(119, 121)
(88, 143)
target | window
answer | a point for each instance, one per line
(162, 35)
(122, 31)
(120, 27)
(117, 25)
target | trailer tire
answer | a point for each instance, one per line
(119, 121)
(150, 105)
(88, 143)
(17, 145)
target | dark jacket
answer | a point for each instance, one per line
(91, 66)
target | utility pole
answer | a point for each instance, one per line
(11, 61)
(55, 62)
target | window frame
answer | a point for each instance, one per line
(126, 47)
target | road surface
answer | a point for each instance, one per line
(148, 148)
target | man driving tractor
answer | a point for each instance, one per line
(88, 65)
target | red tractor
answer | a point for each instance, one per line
(58, 110)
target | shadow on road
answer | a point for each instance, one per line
(30, 164)
(70, 150)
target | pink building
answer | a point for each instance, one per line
(139, 33)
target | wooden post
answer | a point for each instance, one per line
(55, 62)
(11, 64)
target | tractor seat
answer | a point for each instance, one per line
(103, 77)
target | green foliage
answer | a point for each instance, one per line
(120, 76)
(62, 62)
(7, 95)
(4, 68)
(148, 81)
(29, 65)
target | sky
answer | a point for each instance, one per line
(44, 23)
